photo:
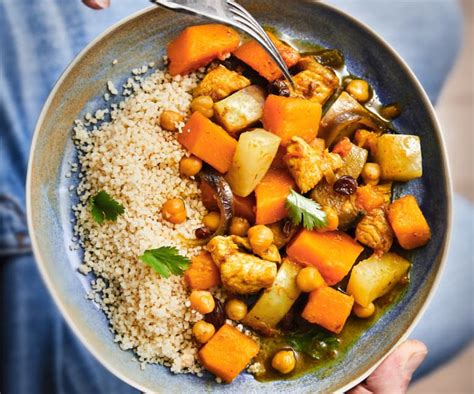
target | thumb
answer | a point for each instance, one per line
(97, 4)
(394, 375)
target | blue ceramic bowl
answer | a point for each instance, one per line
(142, 38)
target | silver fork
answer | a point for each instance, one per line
(231, 13)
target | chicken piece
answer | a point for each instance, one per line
(307, 165)
(270, 254)
(220, 82)
(243, 273)
(315, 82)
(345, 206)
(220, 248)
(374, 231)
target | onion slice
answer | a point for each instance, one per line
(224, 199)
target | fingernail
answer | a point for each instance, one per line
(414, 362)
(97, 4)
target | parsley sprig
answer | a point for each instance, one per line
(166, 261)
(305, 211)
(103, 206)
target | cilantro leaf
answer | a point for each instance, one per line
(305, 211)
(103, 206)
(166, 261)
(316, 343)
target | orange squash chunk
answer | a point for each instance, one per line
(291, 116)
(408, 223)
(208, 141)
(333, 253)
(197, 46)
(228, 352)
(329, 308)
(256, 57)
(203, 272)
(271, 194)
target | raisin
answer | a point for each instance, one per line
(287, 227)
(345, 185)
(279, 88)
(202, 233)
(217, 316)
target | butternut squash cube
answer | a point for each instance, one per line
(197, 46)
(291, 116)
(408, 223)
(332, 253)
(228, 352)
(329, 308)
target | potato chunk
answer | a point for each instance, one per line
(241, 109)
(220, 82)
(276, 301)
(376, 276)
(399, 157)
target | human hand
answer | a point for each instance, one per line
(97, 4)
(394, 375)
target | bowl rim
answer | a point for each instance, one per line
(405, 68)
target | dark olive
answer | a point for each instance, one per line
(202, 233)
(345, 185)
(279, 88)
(217, 316)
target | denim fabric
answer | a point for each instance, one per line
(37, 40)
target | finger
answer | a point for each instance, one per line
(97, 4)
(394, 374)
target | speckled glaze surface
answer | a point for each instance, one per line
(142, 38)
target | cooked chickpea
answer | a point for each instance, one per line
(235, 309)
(202, 301)
(371, 173)
(212, 220)
(174, 211)
(190, 166)
(309, 279)
(332, 219)
(260, 238)
(284, 361)
(204, 105)
(359, 89)
(169, 120)
(203, 331)
(364, 312)
(239, 226)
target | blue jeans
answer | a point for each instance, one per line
(38, 38)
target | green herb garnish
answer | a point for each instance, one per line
(305, 211)
(315, 343)
(166, 261)
(103, 206)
